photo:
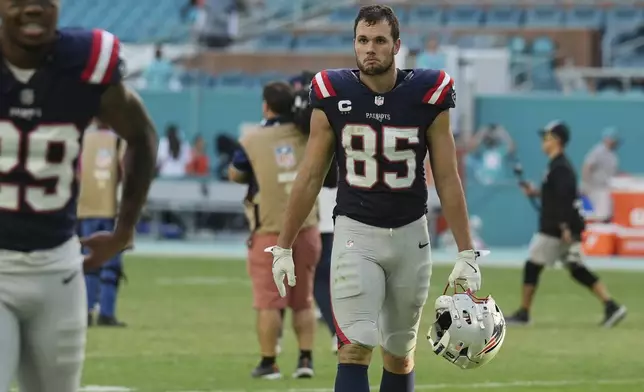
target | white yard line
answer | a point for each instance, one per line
(480, 386)
(422, 387)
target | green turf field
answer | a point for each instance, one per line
(192, 329)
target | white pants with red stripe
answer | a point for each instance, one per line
(379, 283)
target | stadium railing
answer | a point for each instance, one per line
(575, 76)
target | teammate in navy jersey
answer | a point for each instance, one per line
(380, 121)
(52, 83)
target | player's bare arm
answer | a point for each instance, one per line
(238, 176)
(310, 177)
(124, 111)
(442, 152)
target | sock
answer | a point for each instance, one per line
(267, 361)
(92, 282)
(392, 382)
(306, 354)
(352, 378)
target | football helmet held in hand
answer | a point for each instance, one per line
(468, 331)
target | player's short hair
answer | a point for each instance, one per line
(372, 14)
(279, 98)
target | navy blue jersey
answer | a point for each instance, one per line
(381, 142)
(42, 119)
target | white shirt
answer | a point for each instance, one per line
(170, 166)
(605, 165)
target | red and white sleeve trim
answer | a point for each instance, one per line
(322, 85)
(436, 94)
(103, 59)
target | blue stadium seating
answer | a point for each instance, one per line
(504, 16)
(623, 17)
(464, 16)
(277, 42)
(149, 20)
(585, 17)
(543, 46)
(425, 15)
(544, 16)
(343, 15)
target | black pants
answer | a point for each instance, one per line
(322, 285)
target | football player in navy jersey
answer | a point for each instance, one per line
(379, 121)
(52, 83)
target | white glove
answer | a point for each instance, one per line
(467, 269)
(282, 266)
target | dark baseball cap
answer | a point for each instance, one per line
(559, 129)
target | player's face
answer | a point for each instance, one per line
(549, 143)
(375, 47)
(29, 24)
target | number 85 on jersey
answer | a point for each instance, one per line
(368, 163)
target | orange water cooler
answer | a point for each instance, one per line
(628, 215)
(600, 239)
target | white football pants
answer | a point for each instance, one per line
(43, 322)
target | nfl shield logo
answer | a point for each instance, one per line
(27, 96)
(285, 156)
(104, 158)
(379, 100)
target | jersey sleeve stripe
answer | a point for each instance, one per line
(107, 45)
(322, 84)
(113, 63)
(446, 91)
(327, 83)
(316, 88)
(94, 55)
(435, 92)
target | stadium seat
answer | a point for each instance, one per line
(585, 17)
(314, 42)
(542, 74)
(150, 20)
(343, 42)
(413, 41)
(544, 16)
(543, 46)
(483, 41)
(270, 76)
(464, 16)
(275, 42)
(426, 15)
(189, 78)
(402, 13)
(235, 79)
(624, 17)
(343, 15)
(517, 44)
(504, 17)
(206, 80)
(278, 9)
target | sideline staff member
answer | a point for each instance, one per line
(269, 162)
(560, 228)
(100, 174)
(600, 165)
